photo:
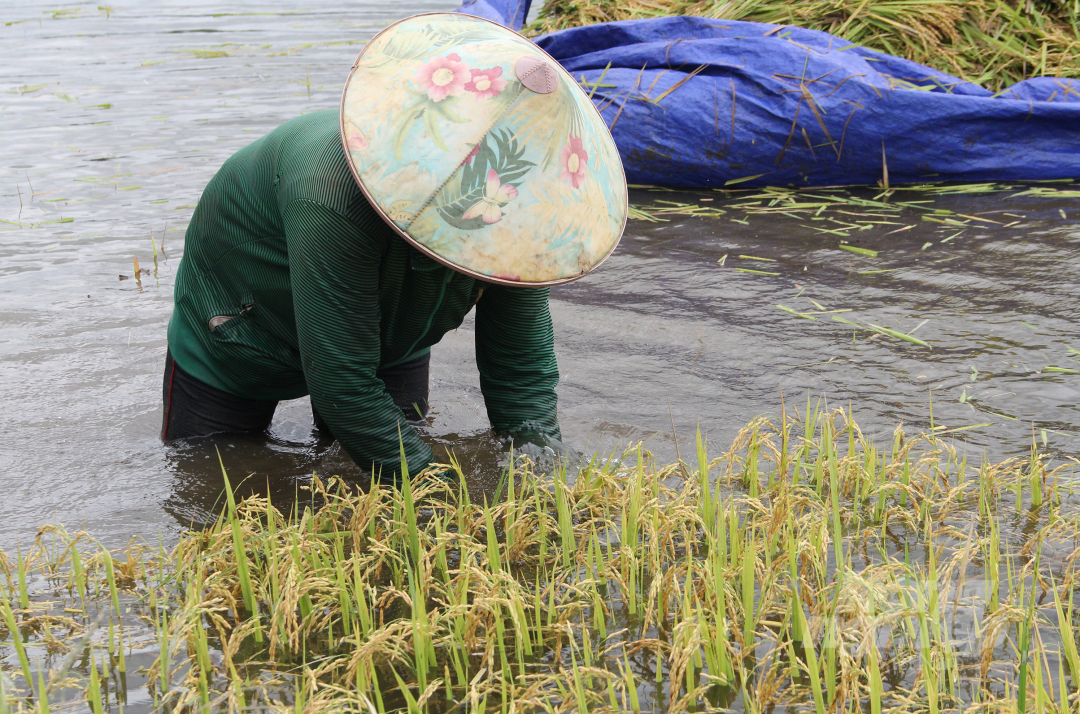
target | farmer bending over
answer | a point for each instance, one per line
(465, 168)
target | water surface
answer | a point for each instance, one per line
(114, 118)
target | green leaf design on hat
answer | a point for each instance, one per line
(499, 152)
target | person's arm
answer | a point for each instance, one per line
(515, 353)
(334, 264)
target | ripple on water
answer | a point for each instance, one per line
(116, 119)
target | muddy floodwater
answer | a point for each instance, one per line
(112, 120)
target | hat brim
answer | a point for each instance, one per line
(584, 207)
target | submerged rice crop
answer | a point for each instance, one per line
(807, 567)
(994, 43)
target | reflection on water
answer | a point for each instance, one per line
(197, 494)
(113, 120)
(282, 468)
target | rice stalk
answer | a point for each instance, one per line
(990, 42)
(805, 567)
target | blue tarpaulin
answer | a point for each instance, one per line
(698, 102)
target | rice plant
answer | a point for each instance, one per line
(806, 567)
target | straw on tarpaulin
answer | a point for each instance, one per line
(994, 43)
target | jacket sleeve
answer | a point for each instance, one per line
(515, 353)
(334, 266)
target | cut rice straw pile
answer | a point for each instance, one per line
(806, 567)
(994, 43)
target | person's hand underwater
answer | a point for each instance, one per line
(545, 451)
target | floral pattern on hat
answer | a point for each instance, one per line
(486, 83)
(354, 138)
(443, 77)
(574, 161)
(488, 177)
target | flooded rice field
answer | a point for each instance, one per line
(114, 118)
(949, 309)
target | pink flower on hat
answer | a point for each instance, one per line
(574, 159)
(354, 138)
(486, 83)
(472, 155)
(443, 77)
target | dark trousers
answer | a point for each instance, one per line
(193, 408)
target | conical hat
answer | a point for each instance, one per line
(481, 151)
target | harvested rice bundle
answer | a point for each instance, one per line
(994, 43)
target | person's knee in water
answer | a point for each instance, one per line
(192, 408)
(326, 258)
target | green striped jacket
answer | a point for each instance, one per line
(325, 293)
